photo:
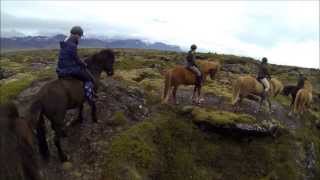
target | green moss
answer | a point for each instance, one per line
(131, 151)
(217, 89)
(118, 119)
(220, 117)
(283, 100)
(13, 87)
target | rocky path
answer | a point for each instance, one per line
(86, 144)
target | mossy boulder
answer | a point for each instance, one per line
(220, 117)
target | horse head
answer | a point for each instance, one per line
(210, 68)
(105, 60)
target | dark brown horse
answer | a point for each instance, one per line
(56, 97)
(291, 90)
(17, 155)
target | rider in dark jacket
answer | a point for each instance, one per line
(70, 65)
(192, 65)
(263, 76)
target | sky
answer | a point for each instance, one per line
(286, 32)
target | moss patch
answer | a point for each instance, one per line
(220, 117)
(12, 87)
(118, 119)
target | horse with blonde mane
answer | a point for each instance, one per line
(303, 99)
(180, 75)
(248, 85)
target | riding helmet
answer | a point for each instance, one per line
(76, 30)
(193, 47)
(264, 60)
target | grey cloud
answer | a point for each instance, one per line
(39, 26)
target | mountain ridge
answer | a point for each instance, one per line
(52, 42)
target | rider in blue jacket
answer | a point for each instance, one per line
(70, 65)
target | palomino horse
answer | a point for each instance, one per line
(303, 99)
(17, 154)
(56, 97)
(180, 75)
(248, 85)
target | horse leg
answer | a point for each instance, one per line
(167, 95)
(57, 125)
(80, 115)
(174, 95)
(261, 104)
(42, 141)
(199, 95)
(194, 94)
(93, 111)
(269, 103)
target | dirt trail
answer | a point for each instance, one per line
(86, 143)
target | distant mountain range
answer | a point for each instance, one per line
(45, 42)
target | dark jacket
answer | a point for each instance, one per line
(263, 71)
(191, 58)
(69, 60)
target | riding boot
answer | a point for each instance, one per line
(89, 91)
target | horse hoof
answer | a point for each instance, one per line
(64, 158)
(201, 100)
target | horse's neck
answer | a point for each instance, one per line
(95, 72)
(307, 85)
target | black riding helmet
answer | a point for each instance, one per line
(193, 47)
(264, 60)
(77, 30)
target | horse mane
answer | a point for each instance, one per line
(307, 85)
(103, 54)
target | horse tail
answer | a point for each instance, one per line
(167, 85)
(236, 91)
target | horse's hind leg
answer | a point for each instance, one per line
(80, 115)
(269, 103)
(42, 141)
(194, 94)
(57, 125)
(174, 95)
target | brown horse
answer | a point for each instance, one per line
(180, 75)
(277, 87)
(303, 99)
(17, 155)
(56, 97)
(248, 85)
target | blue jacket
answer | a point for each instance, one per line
(69, 61)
